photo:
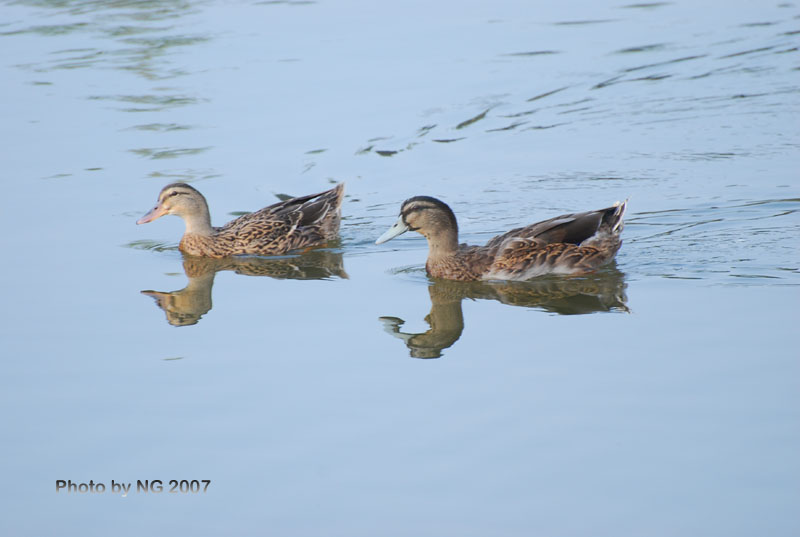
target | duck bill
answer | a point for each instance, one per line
(156, 212)
(398, 228)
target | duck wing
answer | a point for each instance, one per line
(568, 228)
(286, 225)
(311, 208)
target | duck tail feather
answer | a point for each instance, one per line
(619, 213)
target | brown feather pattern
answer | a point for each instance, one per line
(568, 244)
(288, 225)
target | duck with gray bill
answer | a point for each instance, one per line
(568, 244)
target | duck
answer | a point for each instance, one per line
(291, 224)
(571, 244)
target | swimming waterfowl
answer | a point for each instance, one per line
(567, 244)
(287, 225)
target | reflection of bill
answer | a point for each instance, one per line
(186, 306)
(446, 325)
(603, 291)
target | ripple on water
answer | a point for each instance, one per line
(188, 175)
(148, 103)
(716, 242)
(157, 153)
(412, 273)
(154, 246)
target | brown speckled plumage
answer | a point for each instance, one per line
(288, 225)
(568, 244)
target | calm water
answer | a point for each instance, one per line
(342, 392)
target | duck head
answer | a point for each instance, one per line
(177, 198)
(429, 217)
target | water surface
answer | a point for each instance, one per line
(342, 391)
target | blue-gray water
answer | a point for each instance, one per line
(657, 397)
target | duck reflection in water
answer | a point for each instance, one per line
(602, 291)
(186, 306)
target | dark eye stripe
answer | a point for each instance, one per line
(422, 203)
(173, 193)
(406, 213)
(417, 208)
